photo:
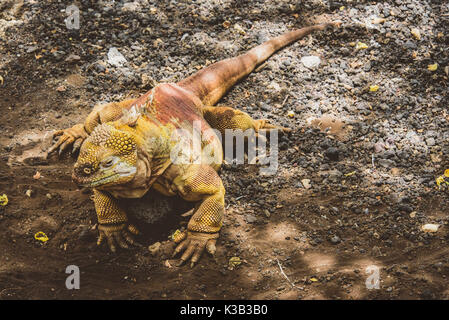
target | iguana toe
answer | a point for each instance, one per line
(111, 244)
(60, 141)
(69, 141)
(77, 145)
(117, 236)
(194, 245)
(133, 229)
(210, 247)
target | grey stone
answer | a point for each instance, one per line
(311, 61)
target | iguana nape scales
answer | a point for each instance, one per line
(126, 148)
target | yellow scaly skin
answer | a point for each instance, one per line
(131, 146)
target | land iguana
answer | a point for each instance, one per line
(126, 148)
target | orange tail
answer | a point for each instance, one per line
(212, 83)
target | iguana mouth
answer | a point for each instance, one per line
(99, 182)
(111, 178)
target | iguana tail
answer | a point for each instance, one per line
(212, 83)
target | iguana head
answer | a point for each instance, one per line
(107, 157)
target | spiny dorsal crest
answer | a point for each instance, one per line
(130, 117)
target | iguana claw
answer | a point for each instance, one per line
(117, 235)
(71, 136)
(193, 246)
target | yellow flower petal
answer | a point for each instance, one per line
(374, 88)
(41, 236)
(446, 173)
(234, 262)
(361, 45)
(432, 67)
(3, 200)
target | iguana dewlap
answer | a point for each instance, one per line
(134, 145)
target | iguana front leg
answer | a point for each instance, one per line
(79, 132)
(112, 222)
(200, 183)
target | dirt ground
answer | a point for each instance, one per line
(370, 157)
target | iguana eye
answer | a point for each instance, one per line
(108, 163)
(87, 170)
